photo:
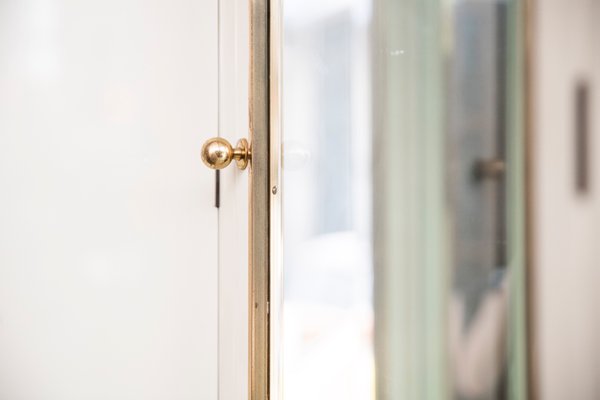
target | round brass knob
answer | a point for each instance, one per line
(217, 153)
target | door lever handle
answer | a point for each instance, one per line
(217, 153)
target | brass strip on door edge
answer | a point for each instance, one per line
(259, 203)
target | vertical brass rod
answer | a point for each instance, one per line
(259, 201)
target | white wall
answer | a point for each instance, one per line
(567, 225)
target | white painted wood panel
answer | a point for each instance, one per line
(233, 213)
(108, 233)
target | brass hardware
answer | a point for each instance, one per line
(261, 83)
(217, 153)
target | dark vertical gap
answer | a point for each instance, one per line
(501, 132)
(501, 153)
(528, 23)
(268, 188)
(582, 145)
(217, 188)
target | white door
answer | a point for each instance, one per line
(109, 264)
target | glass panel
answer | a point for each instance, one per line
(403, 200)
(328, 315)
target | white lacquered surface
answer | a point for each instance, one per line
(108, 245)
(233, 212)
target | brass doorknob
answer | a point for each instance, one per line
(217, 153)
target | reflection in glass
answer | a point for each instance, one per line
(403, 234)
(328, 317)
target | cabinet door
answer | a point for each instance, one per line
(108, 230)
